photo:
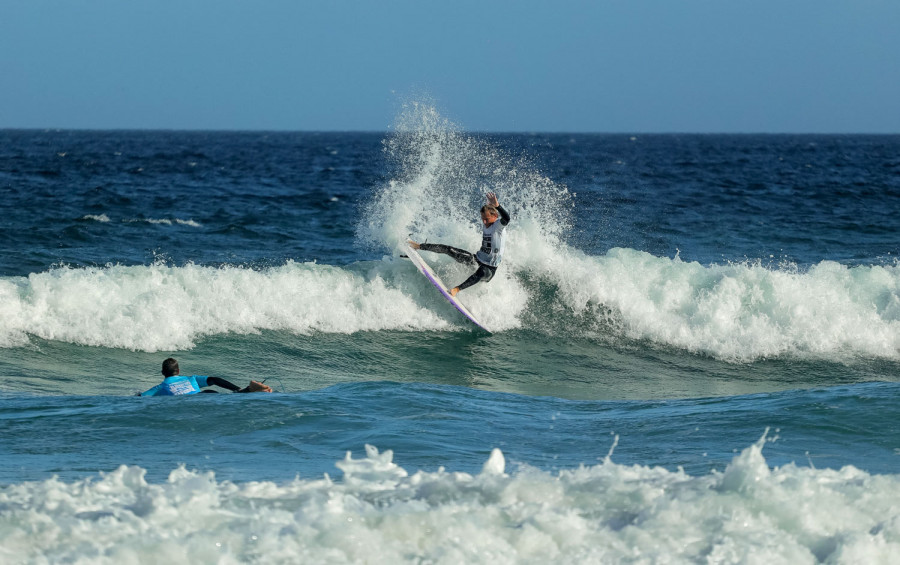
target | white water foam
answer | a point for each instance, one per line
(102, 218)
(739, 312)
(160, 307)
(379, 513)
(164, 221)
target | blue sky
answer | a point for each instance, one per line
(805, 66)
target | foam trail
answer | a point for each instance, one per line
(102, 218)
(164, 221)
(380, 513)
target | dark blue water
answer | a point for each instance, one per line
(800, 198)
(262, 198)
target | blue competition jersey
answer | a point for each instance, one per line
(177, 385)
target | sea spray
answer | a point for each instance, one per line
(438, 180)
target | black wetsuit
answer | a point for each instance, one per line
(217, 381)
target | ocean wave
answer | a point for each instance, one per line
(736, 312)
(160, 307)
(739, 312)
(380, 513)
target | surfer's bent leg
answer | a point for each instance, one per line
(458, 255)
(484, 274)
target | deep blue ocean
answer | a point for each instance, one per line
(694, 357)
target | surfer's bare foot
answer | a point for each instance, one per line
(454, 291)
(258, 387)
(413, 244)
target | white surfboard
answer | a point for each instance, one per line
(439, 284)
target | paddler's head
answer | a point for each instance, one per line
(170, 367)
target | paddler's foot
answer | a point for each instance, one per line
(413, 244)
(454, 291)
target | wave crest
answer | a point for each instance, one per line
(736, 312)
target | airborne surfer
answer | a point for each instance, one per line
(495, 220)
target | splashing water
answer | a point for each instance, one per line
(439, 178)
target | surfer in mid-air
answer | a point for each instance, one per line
(495, 219)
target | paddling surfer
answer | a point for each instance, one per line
(174, 384)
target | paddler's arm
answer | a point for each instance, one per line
(252, 387)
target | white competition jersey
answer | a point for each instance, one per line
(491, 244)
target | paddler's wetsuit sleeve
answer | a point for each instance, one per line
(216, 381)
(504, 215)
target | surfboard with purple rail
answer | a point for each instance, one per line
(439, 284)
